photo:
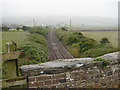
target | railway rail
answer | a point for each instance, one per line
(56, 48)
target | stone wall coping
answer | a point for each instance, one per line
(64, 65)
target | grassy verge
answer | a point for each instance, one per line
(81, 46)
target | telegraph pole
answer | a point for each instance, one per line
(70, 24)
(33, 22)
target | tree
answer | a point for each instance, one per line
(5, 28)
(25, 28)
(104, 40)
(64, 29)
(18, 28)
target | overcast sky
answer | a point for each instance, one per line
(101, 8)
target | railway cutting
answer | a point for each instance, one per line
(55, 48)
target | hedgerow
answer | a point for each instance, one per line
(80, 46)
(36, 47)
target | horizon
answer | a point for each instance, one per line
(38, 8)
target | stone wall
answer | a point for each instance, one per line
(82, 78)
(74, 73)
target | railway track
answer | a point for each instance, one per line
(55, 48)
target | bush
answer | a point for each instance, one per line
(12, 29)
(25, 28)
(105, 63)
(98, 50)
(72, 39)
(86, 43)
(36, 47)
(35, 51)
(81, 46)
(38, 38)
(78, 33)
(64, 29)
(5, 28)
(104, 40)
(39, 30)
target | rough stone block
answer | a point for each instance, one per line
(43, 77)
(91, 72)
(76, 73)
(55, 81)
(38, 84)
(31, 85)
(59, 76)
(48, 82)
(31, 79)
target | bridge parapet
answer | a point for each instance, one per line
(74, 73)
(65, 65)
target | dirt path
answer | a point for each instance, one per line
(56, 49)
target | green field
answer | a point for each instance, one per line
(98, 35)
(19, 37)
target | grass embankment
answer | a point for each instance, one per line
(33, 42)
(36, 47)
(81, 46)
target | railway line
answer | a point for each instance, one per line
(55, 48)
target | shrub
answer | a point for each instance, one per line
(98, 50)
(74, 50)
(104, 40)
(38, 38)
(81, 46)
(36, 47)
(72, 40)
(39, 30)
(78, 33)
(64, 29)
(5, 28)
(105, 63)
(86, 44)
(25, 28)
(35, 51)
(12, 29)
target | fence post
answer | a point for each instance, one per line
(10, 65)
(11, 46)
(11, 77)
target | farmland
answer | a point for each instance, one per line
(19, 37)
(111, 35)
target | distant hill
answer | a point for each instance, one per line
(76, 20)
